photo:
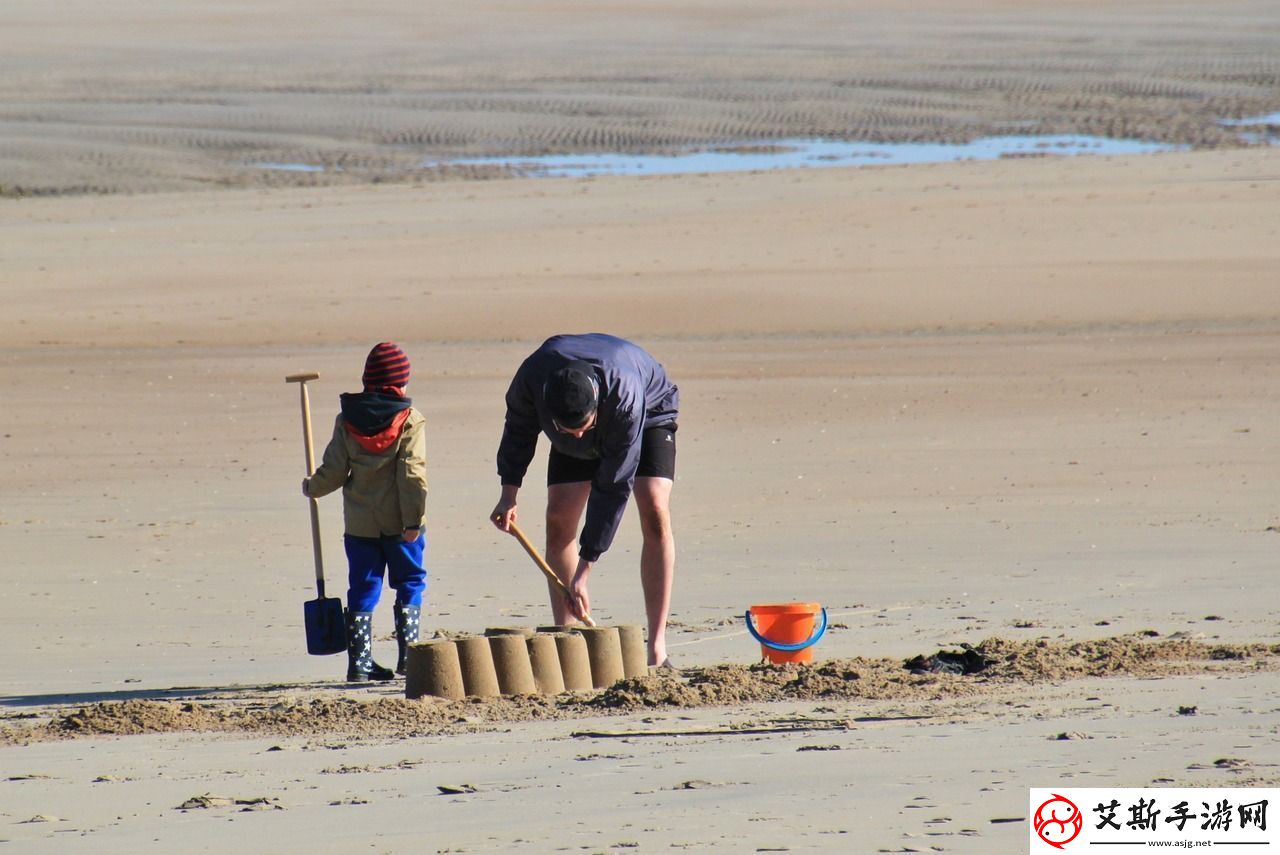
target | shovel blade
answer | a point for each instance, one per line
(326, 626)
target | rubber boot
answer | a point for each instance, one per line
(360, 665)
(407, 622)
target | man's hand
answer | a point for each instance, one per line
(409, 535)
(579, 600)
(504, 513)
(305, 491)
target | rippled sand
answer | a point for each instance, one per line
(127, 98)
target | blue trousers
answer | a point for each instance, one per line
(369, 557)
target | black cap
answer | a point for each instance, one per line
(572, 394)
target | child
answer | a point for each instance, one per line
(378, 457)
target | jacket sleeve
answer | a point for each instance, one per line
(611, 488)
(334, 468)
(411, 474)
(519, 433)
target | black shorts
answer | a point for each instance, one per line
(657, 459)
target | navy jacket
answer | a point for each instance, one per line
(635, 394)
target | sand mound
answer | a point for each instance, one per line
(1130, 655)
(131, 717)
(344, 716)
(1008, 664)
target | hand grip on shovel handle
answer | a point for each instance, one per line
(546, 568)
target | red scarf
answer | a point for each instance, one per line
(383, 439)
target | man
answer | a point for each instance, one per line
(610, 413)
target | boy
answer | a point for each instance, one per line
(378, 457)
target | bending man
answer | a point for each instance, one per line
(610, 413)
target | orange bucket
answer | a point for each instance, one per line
(786, 630)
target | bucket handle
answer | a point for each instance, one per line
(789, 648)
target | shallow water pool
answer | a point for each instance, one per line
(812, 153)
(1268, 125)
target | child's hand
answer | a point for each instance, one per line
(305, 491)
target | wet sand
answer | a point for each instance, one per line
(1031, 400)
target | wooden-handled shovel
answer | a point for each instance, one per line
(546, 569)
(325, 623)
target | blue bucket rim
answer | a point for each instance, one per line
(788, 647)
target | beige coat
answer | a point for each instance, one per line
(382, 494)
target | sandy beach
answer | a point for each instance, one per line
(1029, 402)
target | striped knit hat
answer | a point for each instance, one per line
(386, 365)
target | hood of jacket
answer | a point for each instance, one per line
(374, 419)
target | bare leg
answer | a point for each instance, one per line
(565, 503)
(657, 559)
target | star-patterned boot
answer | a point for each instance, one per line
(360, 665)
(407, 622)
